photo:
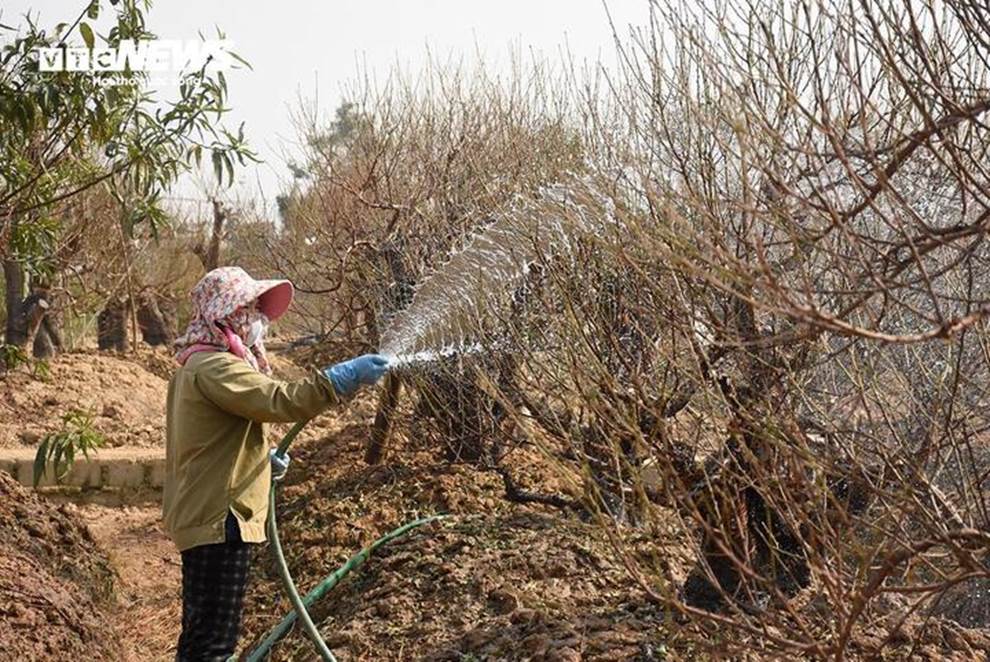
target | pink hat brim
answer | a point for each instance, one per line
(276, 298)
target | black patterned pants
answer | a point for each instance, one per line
(214, 578)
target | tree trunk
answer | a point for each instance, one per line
(53, 329)
(34, 309)
(210, 254)
(397, 298)
(111, 326)
(380, 429)
(154, 323)
(42, 333)
(13, 273)
(44, 346)
(213, 252)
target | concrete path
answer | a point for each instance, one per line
(119, 468)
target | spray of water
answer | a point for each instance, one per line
(450, 307)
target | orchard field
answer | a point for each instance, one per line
(691, 349)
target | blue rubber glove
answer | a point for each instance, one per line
(347, 376)
(280, 464)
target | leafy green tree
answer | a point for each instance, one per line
(64, 132)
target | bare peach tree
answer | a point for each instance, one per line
(775, 357)
(757, 356)
(398, 178)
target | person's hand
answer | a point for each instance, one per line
(348, 375)
(280, 464)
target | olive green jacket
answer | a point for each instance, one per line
(216, 457)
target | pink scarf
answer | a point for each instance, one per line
(234, 345)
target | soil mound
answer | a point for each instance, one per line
(495, 580)
(510, 586)
(55, 584)
(124, 396)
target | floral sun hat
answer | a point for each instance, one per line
(230, 296)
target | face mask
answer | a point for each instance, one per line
(256, 331)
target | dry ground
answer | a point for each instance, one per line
(147, 611)
(494, 581)
(56, 584)
(125, 397)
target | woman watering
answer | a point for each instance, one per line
(218, 466)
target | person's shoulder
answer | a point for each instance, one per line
(202, 362)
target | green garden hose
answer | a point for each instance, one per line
(290, 586)
(299, 605)
(289, 437)
(325, 586)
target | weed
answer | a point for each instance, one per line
(60, 448)
(42, 369)
(12, 356)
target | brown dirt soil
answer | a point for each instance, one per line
(495, 580)
(55, 583)
(126, 399)
(125, 393)
(148, 607)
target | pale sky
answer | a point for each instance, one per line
(297, 48)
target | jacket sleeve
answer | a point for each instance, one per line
(234, 386)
